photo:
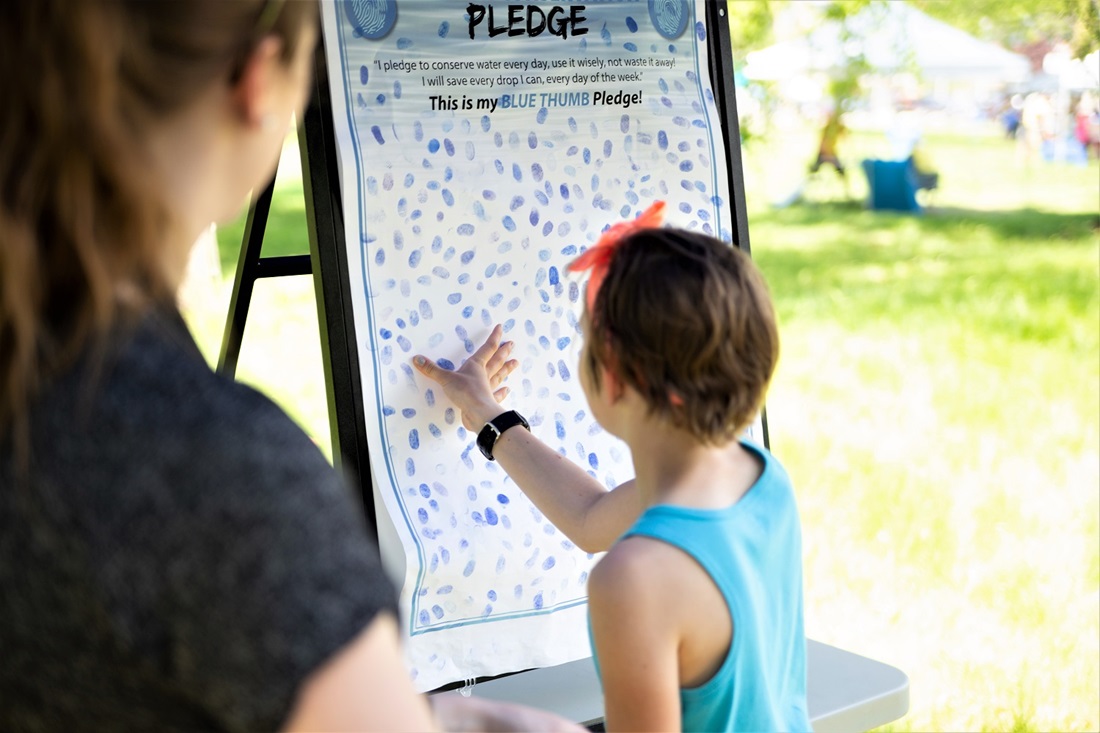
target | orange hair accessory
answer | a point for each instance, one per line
(597, 258)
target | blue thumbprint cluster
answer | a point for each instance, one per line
(469, 218)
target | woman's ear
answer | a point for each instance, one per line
(253, 90)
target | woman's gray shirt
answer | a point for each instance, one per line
(179, 554)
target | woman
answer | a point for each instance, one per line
(174, 552)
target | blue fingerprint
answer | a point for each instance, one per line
(377, 132)
(433, 145)
(476, 516)
(385, 333)
(504, 270)
(494, 300)
(662, 140)
(518, 591)
(540, 117)
(685, 207)
(470, 150)
(572, 125)
(434, 430)
(541, 198)
(454, 298)
(536, 171)
(414, 258)
(387, 411)
(437, 611)
(538, 600)
(631, 24)
(465, 229)
(424, 618)
(490, 269)
(517, 172)
(469, 569)
(587, 156)
(630, 46)
(467, 311)
(410, 466)
(397, 90)
(563, 370)
(449, 416)
(448, 197)
(485, 123)
(549, 563)
(559, 430)
(532, 140)
(488, 195)
(422, 515)
(381, 99)
(445, 364)
(534, 217)
(605, 35)
(508, 223)
(515, 203)
(364, 74)
(429, 397)
(501, 562)
(686, 166)
(563, 342)
(529, 328)
(448, 146)
(490, 516)
(471, 492)
(502, 498)
(407, 413)
(564, 190)
(404, 343)
(547, 228)
(499, 166)
(425, 309)
(593, 460)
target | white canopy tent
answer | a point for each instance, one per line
(895, 37)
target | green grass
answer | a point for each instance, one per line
(937, 404)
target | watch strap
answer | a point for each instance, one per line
(488, 436)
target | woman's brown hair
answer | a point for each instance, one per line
(82, 82)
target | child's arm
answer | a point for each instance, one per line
(636, 635)
(592, 517)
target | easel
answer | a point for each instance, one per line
(846, 691)
(327, 263)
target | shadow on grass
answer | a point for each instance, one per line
(1014, 225)
(1025, 274)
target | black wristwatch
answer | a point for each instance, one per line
(487, 438)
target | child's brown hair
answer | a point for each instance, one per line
(687, 321)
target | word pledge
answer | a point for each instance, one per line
(530, 19)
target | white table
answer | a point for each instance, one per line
(845, 692)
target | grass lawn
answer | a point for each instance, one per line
(937, 404)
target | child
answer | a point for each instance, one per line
(696, 610)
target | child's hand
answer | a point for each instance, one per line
(475, 387)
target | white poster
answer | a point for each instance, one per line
(483, 146)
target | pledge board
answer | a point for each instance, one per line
(480, 148)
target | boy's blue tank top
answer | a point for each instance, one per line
(753, 552)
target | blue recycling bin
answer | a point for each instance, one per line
(891, 184)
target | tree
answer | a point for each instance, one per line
(1018, 23)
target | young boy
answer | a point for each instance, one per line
(696, 610)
